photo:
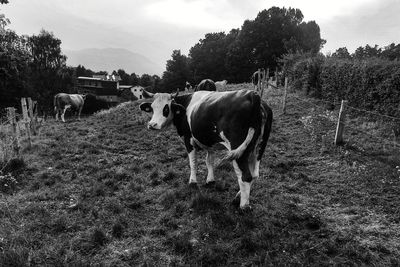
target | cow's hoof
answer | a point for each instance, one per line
(193, 186)
(236, 201)
(246, 209)
(210, 184)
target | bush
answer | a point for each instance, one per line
(372, 84)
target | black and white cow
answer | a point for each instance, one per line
(188, 86)
(63, 101)
(239, 120)
(206, 85)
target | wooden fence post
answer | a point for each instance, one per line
(26, 121)
(263, 83)
(341, 123)
(31, 116)
(13, 122)
(285, 96)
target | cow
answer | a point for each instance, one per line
(188, 86)
(238, 120)
(63, 101)
(221, 85)
(257, 75)
(206, 85)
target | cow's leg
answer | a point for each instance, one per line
(193, 167)
(210, 167)
(79, 113)
(57, 111)
(254, 165)
(244, 179)
(63, 113)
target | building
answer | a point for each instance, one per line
(137, 91)
(104, 87)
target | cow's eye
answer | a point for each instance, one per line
(165, 111)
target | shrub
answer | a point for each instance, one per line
(372, 84)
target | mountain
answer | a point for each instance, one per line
(110, 59)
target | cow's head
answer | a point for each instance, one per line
(163, 107)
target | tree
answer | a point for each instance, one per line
(82, 71)
(208, 57)
(14, 68)
(177, 72)
(342, 53)
(145, 80)
(125, 77)
(3, 20)
(311, 37)
(391, 52)
(367, 52)
(273, 33)
(48, 67)
(134, 79)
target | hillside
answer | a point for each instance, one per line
(110, 59)
(105, 190)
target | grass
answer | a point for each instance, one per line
(105, 190)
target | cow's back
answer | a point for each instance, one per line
(206, 85)
(62, 99)
(76, 100)
(228, 112)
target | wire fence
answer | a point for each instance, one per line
(365, 129)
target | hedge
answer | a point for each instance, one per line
(372, 84)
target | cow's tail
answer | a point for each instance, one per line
(255, 120)
(268, 115)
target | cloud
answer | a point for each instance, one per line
(156, 27)
(375, 23)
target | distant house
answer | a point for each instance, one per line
(107, 88)
(104, 87)
(137, 91)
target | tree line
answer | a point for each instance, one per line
(390, 52)
(234, 56)
(35, 65)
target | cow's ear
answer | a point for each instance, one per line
(147, 94)
(177, 109)
(146, 107)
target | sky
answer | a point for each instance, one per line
(154, 28)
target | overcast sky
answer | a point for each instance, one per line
(154, 28)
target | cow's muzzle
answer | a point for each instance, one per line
(152, 126)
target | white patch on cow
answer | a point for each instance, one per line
(238, 152)
(198, 143)
(244, 191)
(257, 169)
(197, 99)
(226, 142)
(210, 166)
(63, 112)
(193, 166)
(158, 120)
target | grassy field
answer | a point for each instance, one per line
(106, 191)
